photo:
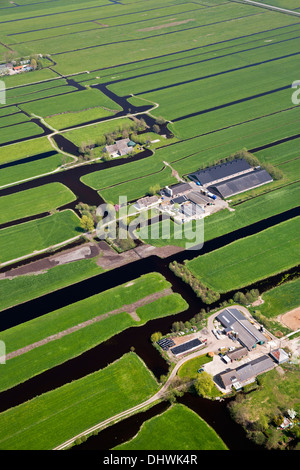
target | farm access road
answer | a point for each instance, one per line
(212, 345)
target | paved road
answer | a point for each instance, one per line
(271, 7)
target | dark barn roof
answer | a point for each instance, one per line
(241, 183)
(194, 343)
(180, 188)
(217, 172)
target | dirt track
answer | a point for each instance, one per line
(130, 309)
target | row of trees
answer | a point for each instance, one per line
(247, 298)
(206, 294)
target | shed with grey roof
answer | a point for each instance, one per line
(246, 373)
(241, 183)
(234, 321)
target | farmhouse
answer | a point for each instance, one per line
(120, 148)
(247, 373)
(237, 324)
(231, 178)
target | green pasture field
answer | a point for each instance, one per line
(250, 259)
(24, 239)
(25, 149)
(177, 37)
(71, 119)
(23, 288)
(22, 131)
(171, 303)
(34, 201)
(50, 354)
(32, 92)
(281, 299)
(240, 46)
(234, 67)
(94, 131)
(280, 153)
(6, 110)
(197, 15)
(29, 77)
(139, 187)
(13, 119)
(178, 428)
(83, 310)
(29, 170)
(52, 418)
(78, 101)
(220, 223)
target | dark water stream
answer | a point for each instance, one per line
(215, 413)
(109, 351)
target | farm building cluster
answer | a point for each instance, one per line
(230, 326)
(182, 202)
(11, 69)
(231, 178)
(206, 191)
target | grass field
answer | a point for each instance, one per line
(249, 259)
(281, 299)
(60, 414)
(23, 288)
(48, 355)
(159, 433)
(30, 237)
(21, 150)
(34, 201)
(27, 170)
(67, 110)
